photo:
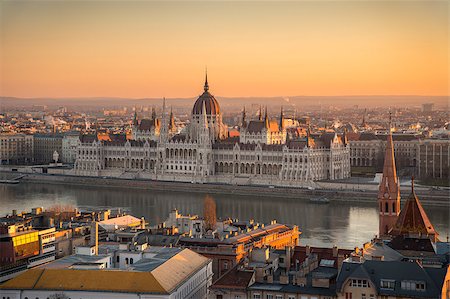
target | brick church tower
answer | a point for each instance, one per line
(389, 191)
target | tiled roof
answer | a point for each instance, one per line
(86, 280)
(88, 138)
(234, 279)
(322, 253)
(398, 271)
(147, 124)
(413, 219)
(255, 126)
(161, 275)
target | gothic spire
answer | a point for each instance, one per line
(260, 113)
(244, 122)
(308, 136)
(388, 191)
(281, 119)
(206, 87)
(389, 181)
(345, 137)
(135, 120)
(153, 113)
(171, 120)
(266, 120)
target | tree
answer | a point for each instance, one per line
(209, 213)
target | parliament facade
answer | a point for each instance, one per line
(263, 154)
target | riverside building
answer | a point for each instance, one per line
(204, 152)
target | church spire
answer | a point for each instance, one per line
(388, 191)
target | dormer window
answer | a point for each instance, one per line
(413, 285)
(387, 284)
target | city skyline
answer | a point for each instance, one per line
(155, 49)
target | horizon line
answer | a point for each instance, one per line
(231, 97)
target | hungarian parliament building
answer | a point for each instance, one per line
(262, 154)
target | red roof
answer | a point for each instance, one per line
(234, 279)
(413, 219)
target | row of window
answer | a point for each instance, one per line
(359, 283)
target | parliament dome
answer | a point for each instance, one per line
(207, 99)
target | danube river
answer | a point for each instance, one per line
(346, 225)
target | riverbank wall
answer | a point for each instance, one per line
(427, 197)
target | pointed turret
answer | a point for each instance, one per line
(308, 137)
(363, 123)
(266, 120)
(172, 126)
(135, 118)
(163, 136)
(388, 191)
(244, 121)
(260, 113)
(281, 119)
(413, 221)
(153, 113)
(345, 137)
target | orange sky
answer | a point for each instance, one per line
(156, 49)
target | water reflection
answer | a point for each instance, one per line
(345, 225)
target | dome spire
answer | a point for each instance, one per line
(206, 87)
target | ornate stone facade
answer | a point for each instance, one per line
(205, 153)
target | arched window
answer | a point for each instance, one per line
(126, 261)
(131, 261)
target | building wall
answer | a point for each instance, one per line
(69, 148)
(16, 149)
(196, 162)
(264, 294)
(350, 291)
(433, 159)
(45, 145)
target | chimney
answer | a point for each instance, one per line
(335, 251)
(308, 250)
(94, 236)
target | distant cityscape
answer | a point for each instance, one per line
(255, 146)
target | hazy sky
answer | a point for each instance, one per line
(256, 48)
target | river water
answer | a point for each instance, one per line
(338, 223)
